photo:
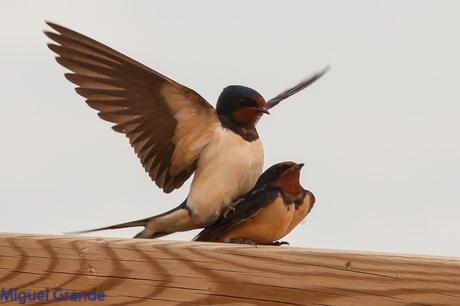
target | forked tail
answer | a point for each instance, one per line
(174, 220)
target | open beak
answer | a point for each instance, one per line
(299, 166)
(295, 167)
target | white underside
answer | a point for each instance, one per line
(228, 168)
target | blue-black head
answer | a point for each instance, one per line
(241, 104)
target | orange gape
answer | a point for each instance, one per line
(246, 116)
(290, 182)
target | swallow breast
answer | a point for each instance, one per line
(228, 168)
(301, 211)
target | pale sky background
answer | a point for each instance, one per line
(379, 133)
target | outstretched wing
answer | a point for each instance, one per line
(167, 124)
(301, 86)
(246, 207)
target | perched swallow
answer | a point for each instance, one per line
(172, 129)
(268, 212)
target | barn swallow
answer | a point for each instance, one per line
(268, 212)
(174, 131)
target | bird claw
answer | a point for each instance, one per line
(243, 241)
(280, 243)
(229, 209)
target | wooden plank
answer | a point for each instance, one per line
(155, 272)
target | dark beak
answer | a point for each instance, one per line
(299, 166)
(262, 110)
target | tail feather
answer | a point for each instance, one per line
(148, 234)
(141, 222)
(174, 220)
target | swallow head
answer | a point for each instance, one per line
(285, 175)
(241, 104)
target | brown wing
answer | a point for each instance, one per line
(246, 207)
(293, 90)
(167, 124)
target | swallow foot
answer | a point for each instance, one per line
(229, 209)
(239, 240)
(280, 243)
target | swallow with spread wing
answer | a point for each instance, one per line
(268, 212)
(172, 129)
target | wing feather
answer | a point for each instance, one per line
(295, 89)
(246, 207)
(167, 124)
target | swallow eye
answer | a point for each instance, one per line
(248, 103)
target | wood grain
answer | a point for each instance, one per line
(149, 272)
